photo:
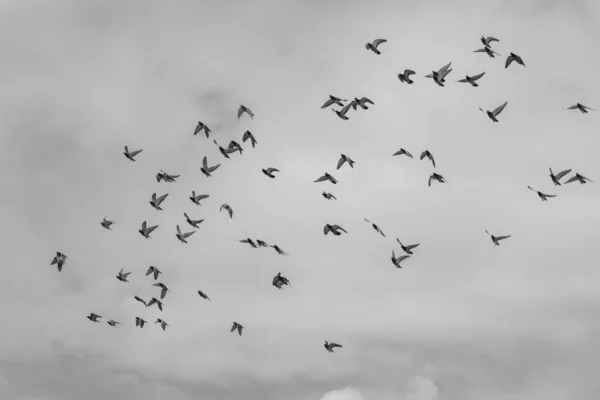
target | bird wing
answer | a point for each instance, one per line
(240, 111)
(509, 60)
(444, 68)
(490, 39)
(322, 178)
(178, 230)
(430, 179)
(499, 109)
(135, 153)
(205, 163)
(408, 72)
(347, 107)
(270, 170)
(476, 77)
(463, 80)
(479, 50)
(152, 228)
(332, 345)
(502, 237)
(188, 234)
(144, 226)
(154, 197)
(326, 229)
(328, 103)
(412, 246)
(572, 179)
(404, 257)
(233, 327)
(127, 150)
(150, 270)
(213, 168)
(377, 42)
(572, 107)
(341, 162)
(366, 100)
(562, 173)
(161, 198)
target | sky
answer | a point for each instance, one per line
(462, 320)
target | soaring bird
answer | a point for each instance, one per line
(156, 202)
(154, 271)
(227, 208)
(407, 249)
(556, 178)
(196, 198)
(513, 57)
(440, 75)
(405, 77)
(59, 259)
(362, 103)
(145, 231)
(436, 177)
(401, 152)
(138, 298)
(582, 179)
(487, 41)
(343, 159)
(106, 224)
(496, 112)
(580, 107)
(162, 323)
(206, 170)
(244, 109)
(93, 317)
(202, 127)
(139, 322)
(203, 295)
(327, 177)
(396, 260)
(261, 243)
(335, 229)
(249, 136)
(376, 228)
(334, 100)
(224, 151)
(122, 276)
(269, 172)
(156, 301)
(163, 289)
(235, 146)
(428, 154)
(472, 79)
(328, 196)
(331, 346)
(248, 241)
(279, 281)
(192, 222)
(542, 196)
(342, 113)
(237, 326)
(373, 46)
(279, 251)
(487, 50)
(112, 322)
(497, 239)
(162, 175)
(183, 236)
(131, 154)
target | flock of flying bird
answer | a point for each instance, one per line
(280, 281)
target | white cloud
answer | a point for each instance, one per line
(347, 393)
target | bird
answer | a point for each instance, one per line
(131, 154)
(202, 127)
(203, 295)
(279, 281)
(342, 113)
(333, 100)
(496, 112)
(106, 224)
(122, 276)
(145, 231)
(407, 249)
(279, 251)
(335, 229)
(163, 289)
(343, 159)
(405, 77)
(192, 222)
(261, 243)
(497, 239)
(331, 346)
(582, 179)
(228, 208)
(427, 153)
(206, 170)
(139, 322)
(580, 107)
(59, 259)
(401, 152)
(237, 326)
(556, 178)
(376, 228)
(244, 109)
(223, 151)
(138, 298)
(436, 177)
(269, 172)
(487, 41)
(162, 175)
(93, 317)
(112, 322)
(513, 57)
(156, 202)
(472, 79)
(248, 241)
(249, 136)
(373, 46)
(162, 323)
(156, 301)
(396, 260)
(487, 50)
(326, 177)
(362, 103)
(542, 196)
(153, 270)
(196, 198)
(183, 236)
(440, 75)
(328, 196)
(235, 146)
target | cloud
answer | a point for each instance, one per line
(347, 393)
(421, 388)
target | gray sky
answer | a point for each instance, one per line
(463, 320)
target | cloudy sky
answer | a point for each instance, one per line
(463, 320)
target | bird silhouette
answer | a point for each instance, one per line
(374, 45)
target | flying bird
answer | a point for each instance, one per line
(235, 146)
(513, 57)
(556, 178)
(112, 322)
(237, 326)
(335, 229)
(269, 172)
(582, 179)
(154, 271)
(497, 239)
(145, 231)
(279, 251)
(334, 100)
(542, 196)
(405, 77)
(328, 196)
(122, 276)
(343, 159)
(156, 301)
(162, 323)
(249, 136)
(138, 298)
(59, 259)
(156, 202)
(396, 260)
(228, 208)
(162, 175)
(362, 103)
(248, 241)
(440, 75)
(93, 317)
(496, 112)
(206, 170)
(223, 151)
(401, 152)
(376, 228)
(279, 281)
(244, 109)
(163, 289)
(131, 155)
(196, 198)
(192, 222)
(487, 50)
(327, 177)
(331, 346)
(428, 154)
(261, 243)
(581, 108)
(487, 41)
(106, 224)
(139, 322)
(373, 46)
(472, 79)
(202, 127)
(183, 236)
(436, 177)
(204, 296)
(407, 249)
(342, 113)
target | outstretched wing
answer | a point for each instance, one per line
(477, 76)
(321, 179)
(328, 103)
(502, 237)
(135, 153)
(205, 163)
(151, 229)
(188, 234)
(408, 72)
(509, 60)
(377, 42)
(162, 198)
(562, 173)
(499, 109)
(341, 162)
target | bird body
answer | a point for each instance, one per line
(269, 172)
(163, 176)
(157, 201)
(59, 259)
(580, 107)
(331, 346)
(279, 281)
(131, 154)
(556, 178)
(374, 45)
(436, 177)
(405, 77)
(328, 196)
(93, 317)
(106, 224)
(496, 112)
(139, 322)
(229, 210)
(407, 249)
(183, 236)
(122, 276)
(336, 230)
(193, 223)
(146, 231)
